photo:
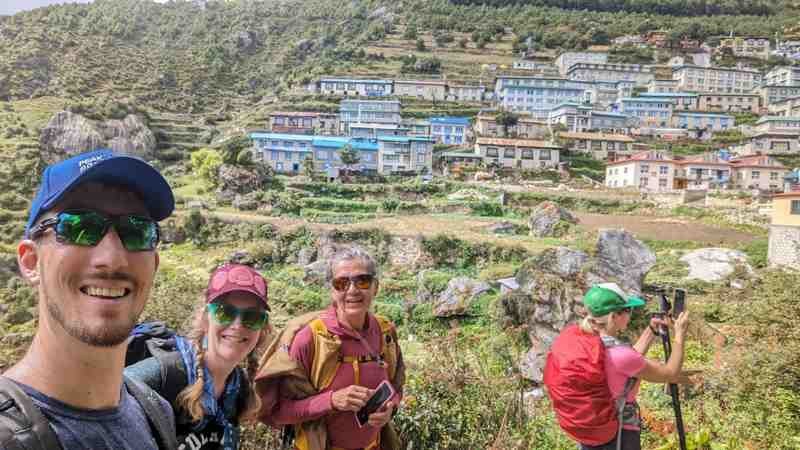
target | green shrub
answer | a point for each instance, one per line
(389, 204)
(487, 209)
(756, 251)
(451, 252)
(335, 205)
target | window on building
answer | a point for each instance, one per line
(644, 168)
(662, 182)
(510, 153)
(755, 175)
(277, 120)
(491, 152)
(795, 210)
(663, 170)
(273, 155)
(773, 176)
(421, 158)
(527, 154)
(643, 181)
(544, 155)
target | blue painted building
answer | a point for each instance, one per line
(651, 112)
(285, 153)
(449, 130)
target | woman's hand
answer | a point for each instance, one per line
(681, 325)
(657, 322)
(351, 398)
(382, 416)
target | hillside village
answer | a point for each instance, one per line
(629, 116)
(497, 157)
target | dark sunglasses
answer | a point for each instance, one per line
(363, 282)
(225, 314)
(87, 228)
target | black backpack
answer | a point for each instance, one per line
(156, 339)
(24, 427)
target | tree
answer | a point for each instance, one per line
(462, 43)
(349, 157)
(205, 163)
(411, 32)
(421, 45)
(308, 167)
(506, 119)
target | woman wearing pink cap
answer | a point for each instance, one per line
(214, 395)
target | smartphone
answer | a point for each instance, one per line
(382, 394)
(679, 304)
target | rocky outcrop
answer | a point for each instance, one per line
(715, 264)
(552, 284)
(550, 220)
(68, 134)
(238, 180)
(458, 297)
(623, 259)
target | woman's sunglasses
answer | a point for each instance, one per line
(225, 314)
(363, 282)
(87, 228)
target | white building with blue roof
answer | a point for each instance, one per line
(702, 121)
(368, 111)
(653, 112)
(356, 87)
(538, 95)
(685, 101)
(405, 154)
(285, 153)
(450, 130)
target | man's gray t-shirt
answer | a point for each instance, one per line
(122, 428)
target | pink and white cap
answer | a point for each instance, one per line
(236, 278)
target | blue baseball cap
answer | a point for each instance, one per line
(103, 166)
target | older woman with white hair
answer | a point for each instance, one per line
(327, 365)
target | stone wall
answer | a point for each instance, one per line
(784, 246)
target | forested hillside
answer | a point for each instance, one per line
(186, 56)
(671, 7)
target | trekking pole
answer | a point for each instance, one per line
(666, 308)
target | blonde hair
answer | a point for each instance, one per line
(190, 398)
(596, 325)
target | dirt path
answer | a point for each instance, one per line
(665, 229)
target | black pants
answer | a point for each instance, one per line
(630, 441)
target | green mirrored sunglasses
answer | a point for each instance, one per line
(87, 228)
(225, 314)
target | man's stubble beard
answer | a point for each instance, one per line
(105, 336)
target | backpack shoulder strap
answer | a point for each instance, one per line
(22, 424)
(162, 424)
(173, 375)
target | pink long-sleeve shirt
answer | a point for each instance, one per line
(343, 430)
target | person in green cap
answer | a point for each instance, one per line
(609, 313)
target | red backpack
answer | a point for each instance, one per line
(576, 383)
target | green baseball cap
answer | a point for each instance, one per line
(606, 298)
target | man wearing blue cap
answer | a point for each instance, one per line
(90, 251)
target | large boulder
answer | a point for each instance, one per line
(68, 134)
(714, 264)
(623, 259)
(238, 180)
(550, 220)
(459, 296)
(551, 287)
